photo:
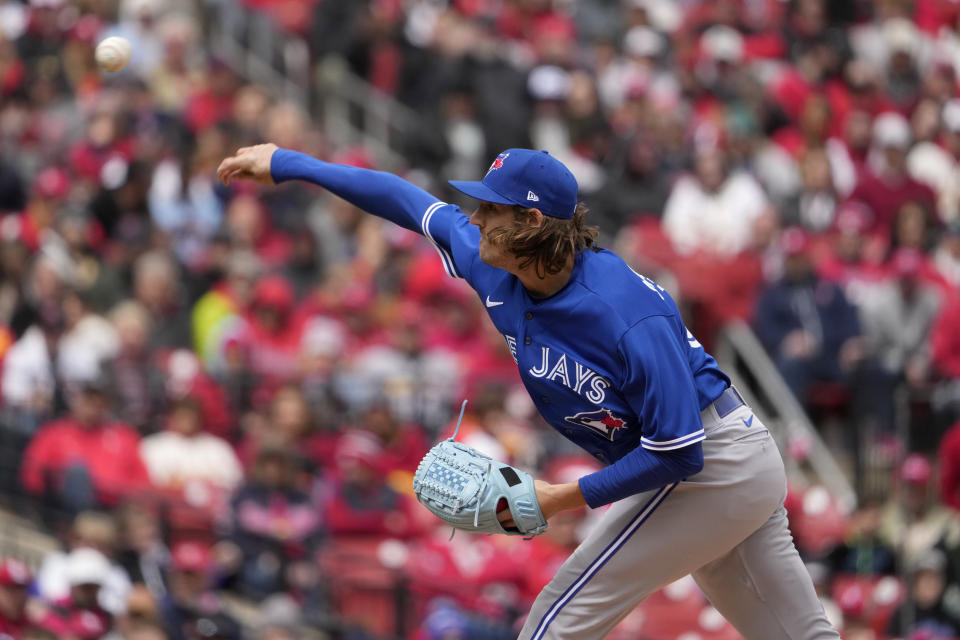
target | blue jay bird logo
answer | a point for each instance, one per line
(603, 421)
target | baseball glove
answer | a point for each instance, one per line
(466, 489)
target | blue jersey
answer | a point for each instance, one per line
(606, 359)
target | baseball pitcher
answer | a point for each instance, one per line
(695, 480)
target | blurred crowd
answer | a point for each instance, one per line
(215, 397)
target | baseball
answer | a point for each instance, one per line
(113, 53)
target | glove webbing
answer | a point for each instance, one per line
(483, 485)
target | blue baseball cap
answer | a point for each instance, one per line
(527, 178)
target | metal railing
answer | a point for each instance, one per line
(739, 347)
(255, 48)
(352, 111)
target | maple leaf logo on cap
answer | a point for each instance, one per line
(498, 162)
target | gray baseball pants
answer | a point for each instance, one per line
(726, 526)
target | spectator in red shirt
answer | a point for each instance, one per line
(945, 340)
(360, 501)
(15, 577)
(404, 444)
(263, 344)
(886, 186)
(855, 261)
(85, 459)
(949, 464)
(271, 335)
(946, 257)
(183, 375)
(50, 190)
(105, 141)
(945, 345)
(212, 102)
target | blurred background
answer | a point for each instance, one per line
(213, 399)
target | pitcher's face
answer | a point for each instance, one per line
(490, 217)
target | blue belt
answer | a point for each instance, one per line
(728, 401)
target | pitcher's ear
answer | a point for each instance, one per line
(534, 216)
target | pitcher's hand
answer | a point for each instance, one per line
(249, 163)
(553, 498)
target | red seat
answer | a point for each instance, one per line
(364, 592)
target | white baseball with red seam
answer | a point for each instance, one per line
(113, 53)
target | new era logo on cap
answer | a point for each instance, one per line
(529, 177)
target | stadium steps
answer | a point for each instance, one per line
(21, 538)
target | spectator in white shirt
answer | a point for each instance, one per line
(716, 209)
(183, 454)
(90, 530)
(29, 371)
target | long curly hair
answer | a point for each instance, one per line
(549, 246)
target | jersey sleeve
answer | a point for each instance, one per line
(456, 240)
(658, 383)
(640, 470)
(391, 198)
(382, 194)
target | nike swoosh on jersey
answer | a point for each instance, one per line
(493, 303)
(748, 422)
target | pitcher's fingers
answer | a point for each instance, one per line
(224, 176)
(224, 166)
(229, 168)
(235, 174)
